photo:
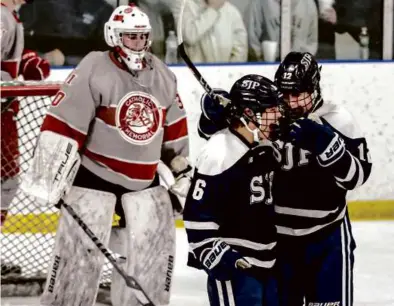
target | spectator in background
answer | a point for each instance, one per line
(73, 27)
(243, 7)
(264, 26)
(213, 31)
(352, 15)
(326, 32)
(162, 21)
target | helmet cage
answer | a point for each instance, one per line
(130, 20)
(299, 73)
(262, 115)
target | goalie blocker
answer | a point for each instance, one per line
(53, 168)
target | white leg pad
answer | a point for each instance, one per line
(150, 245)
(76, 265)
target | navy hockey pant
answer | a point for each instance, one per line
(242, 290)
(319, 272)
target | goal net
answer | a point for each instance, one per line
(27, 236)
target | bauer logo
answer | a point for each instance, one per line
(52, 280)
(336, 147)
(139, 118)
(170, 269)
(215, 255)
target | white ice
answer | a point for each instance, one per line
(374, 270)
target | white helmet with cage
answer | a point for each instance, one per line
(129, 29)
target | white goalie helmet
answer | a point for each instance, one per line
(129, 29)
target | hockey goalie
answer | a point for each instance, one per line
(115, 118)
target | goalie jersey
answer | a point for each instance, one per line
(124, 123)
(315, 197)
(230, 199)
(12, 43)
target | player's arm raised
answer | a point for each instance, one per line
(63, 133)
(212, 118)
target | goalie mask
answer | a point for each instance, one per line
(256, 99)
(298, 78)
(128, 29)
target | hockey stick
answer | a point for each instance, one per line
(181, 50)
(130, 281)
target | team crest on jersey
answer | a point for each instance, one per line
(139, 118)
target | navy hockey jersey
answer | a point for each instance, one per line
(309, 198)
(315, 196)
(230, 199)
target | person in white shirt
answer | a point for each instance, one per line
(264, 25)
(213, 31)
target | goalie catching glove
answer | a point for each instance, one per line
(53, 168)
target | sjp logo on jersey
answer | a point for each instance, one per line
(139, 117)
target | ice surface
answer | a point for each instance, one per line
(374, 270)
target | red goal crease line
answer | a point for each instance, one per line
(46, 223)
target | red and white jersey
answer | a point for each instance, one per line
(12, 43)
(124, 124)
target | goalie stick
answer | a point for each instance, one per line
(181, 49)
(131, 282)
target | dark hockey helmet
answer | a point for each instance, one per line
(298, 76)
(256, 99)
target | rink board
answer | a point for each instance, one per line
(45, 223)
(369, 100)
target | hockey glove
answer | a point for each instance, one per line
(33, 67)
(220, 261)
(318, 139)
(182, 172)
(213, 109)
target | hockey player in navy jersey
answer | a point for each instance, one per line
(228, 213)
(323, 156)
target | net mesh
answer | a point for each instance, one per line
(27, 236)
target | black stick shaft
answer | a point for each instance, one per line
(194, 70)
